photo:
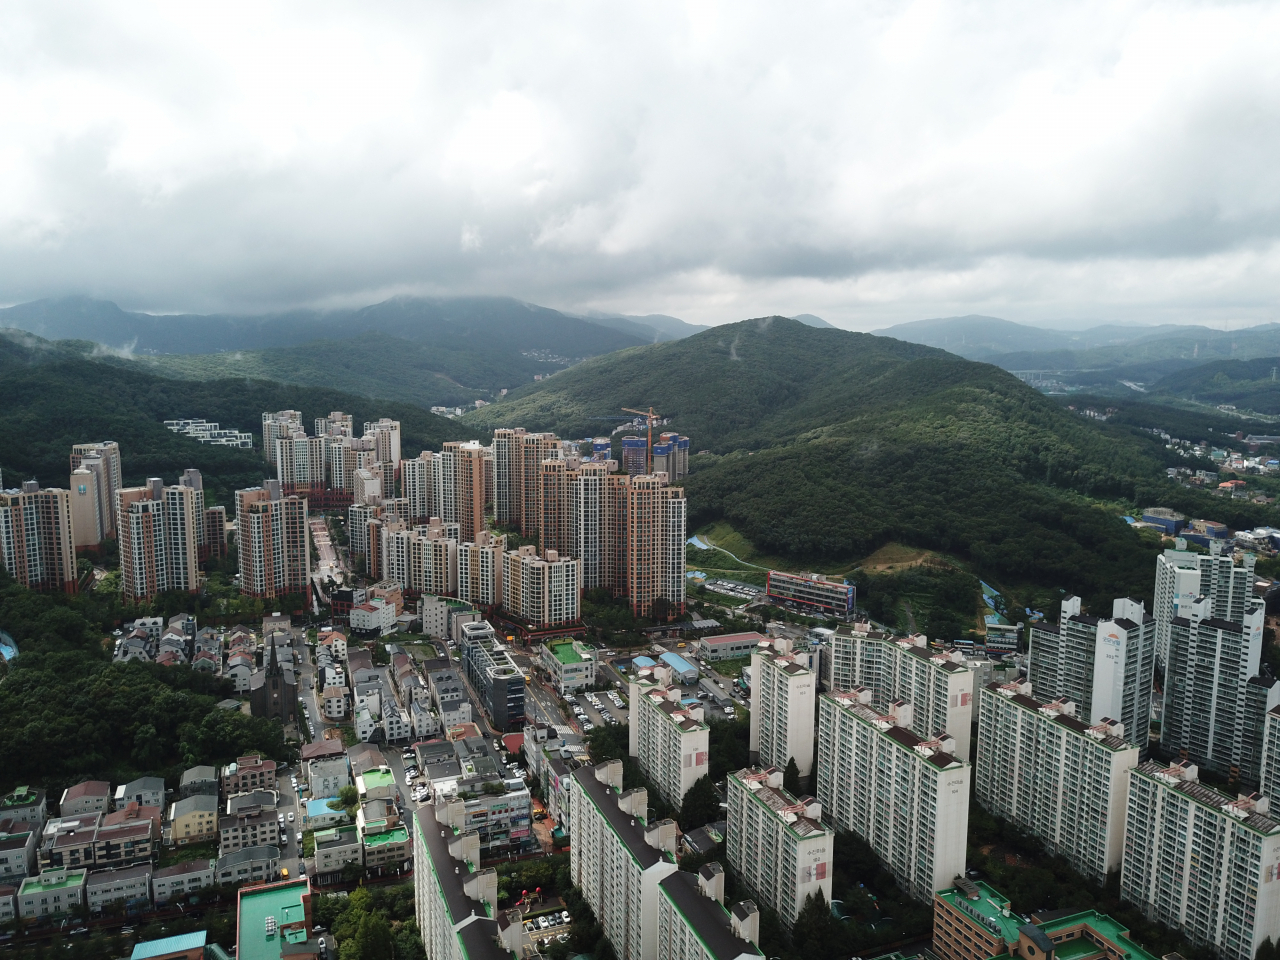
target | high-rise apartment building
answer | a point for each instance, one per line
(543, 591)
(160, 532)
(598, 533)
(1104, 666)
(456, 901)
(635, 456)
(480, 569)
(936, 683)
(784, 695)
(776, 843)
(281, 423)
(533, 449)
(300, 462)
(671, 456)
(36, 542)
(336, 424)
(272, 536)
(467, 487)
(1182, 577)
(1269, 772)
(656, 520)
(385, 434)
(1200, 861)
(693, 923)
(908, 798)
(86, 503)
(1049, 773)
(1209, 709)
(423, 560)
(110, 476)
(618, 858)
(418, 488)
(669, 740)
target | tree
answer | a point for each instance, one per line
(1266, 951)
(701, 805)
(373, 939)
(791, 778)
(348, 799)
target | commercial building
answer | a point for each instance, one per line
(102, 460)
(275, 921)
(1201, 861)
(1103, 665)
(273, 542)
(384, 839)
(161, 528)
(908, 798)
(693, 923)
(376, 618)
(1053, 775)
(571, 665)
(1182, 577)
(37, 545)
(542, 591)
(783, 708)
(496, 678)
(618, 858)
(670, 741)
(811, 590)
(730, 646)
(1212, 711)
(776, 843)
(456, 901)
(936, 683)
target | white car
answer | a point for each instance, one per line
(291, 816)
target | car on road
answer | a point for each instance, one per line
(79, 930)
(299, 836)
(291, 816)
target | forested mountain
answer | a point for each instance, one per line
(825, 444)
(1181, 347)
(1247, 384)
(54, 396)
(988, 338)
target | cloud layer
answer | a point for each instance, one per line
(868, 162)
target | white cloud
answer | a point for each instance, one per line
(865, 162)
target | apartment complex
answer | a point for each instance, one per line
(618, 858)
(542, 591)
(274, 546)
(1055, 776)
(1182, 577)
(1269, 769)
(1103, 665)
(783, 708)
(102, 462)
(423, 560)
(693, 923)
(776, 843)
(1213, 713)
(278, 425)
(669, 740)
(37, 545)
(160, 528)
(908, 798)
(936, 683)
(1200, 861)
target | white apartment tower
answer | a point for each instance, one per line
(418, 487)
(422, 560)
(1105, 666)
(1200, 861)
(281, 423)
(336, 424)
(776, 843)
(1269, 775)
(541, 590)
(86, 503)
(936, 683)
(480, 569)
(1058, 778)
(618, 858)
(670, 741)
(1182, 577)
(693, 923)
(385, 434)
(908, 798)
(300, 461)
(1209, 709)
(783, 703)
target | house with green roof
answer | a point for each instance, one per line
(274, 920)
(55, 891)
(570, 663)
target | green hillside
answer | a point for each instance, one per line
(54, 396)
(1247, 384)
(1198, 346)
(825, 445)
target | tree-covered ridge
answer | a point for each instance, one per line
(1247, 384)
(53, 399)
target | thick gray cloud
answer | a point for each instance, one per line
(867, 162)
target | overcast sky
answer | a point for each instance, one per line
(867, 162)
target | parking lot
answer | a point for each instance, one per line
(608, 707)
(547, 929)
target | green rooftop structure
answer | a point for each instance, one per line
(564, 652)
(183, 942)
(274, 920)
(570, 663)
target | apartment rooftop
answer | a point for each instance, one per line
(985, 906)
(384, 837)
(1182, 778)
(935, 751)
(272, 920)
(790, 810)
(479, 936)
(628, 829)
(707, 917)
(1102, 733)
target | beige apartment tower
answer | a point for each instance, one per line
(106, 453)
(160, 530)
(274, 549)
(36, 543)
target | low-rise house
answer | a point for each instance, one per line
(334, 642)
(177, 881)
(124, 886)
(239, 671)
(206, 662)
(91, 796)
(253, 801)
(324, 764)
(385, 839)
(424, 720)
(360, 666)
(248, 865)
(193, 819)
(368, 725)
(136, 813)
(199, 780)
(18, 842)
(8, 902)
(248, 773)
(334, 700)
(395, 724)
(336, 847)
(124, 844)
(55, 891)
(148, 791)
(68, 841)
(133, 648)
(248, 829)
(376, 784)
(364, 756)
(320, 815)
(24, 805)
